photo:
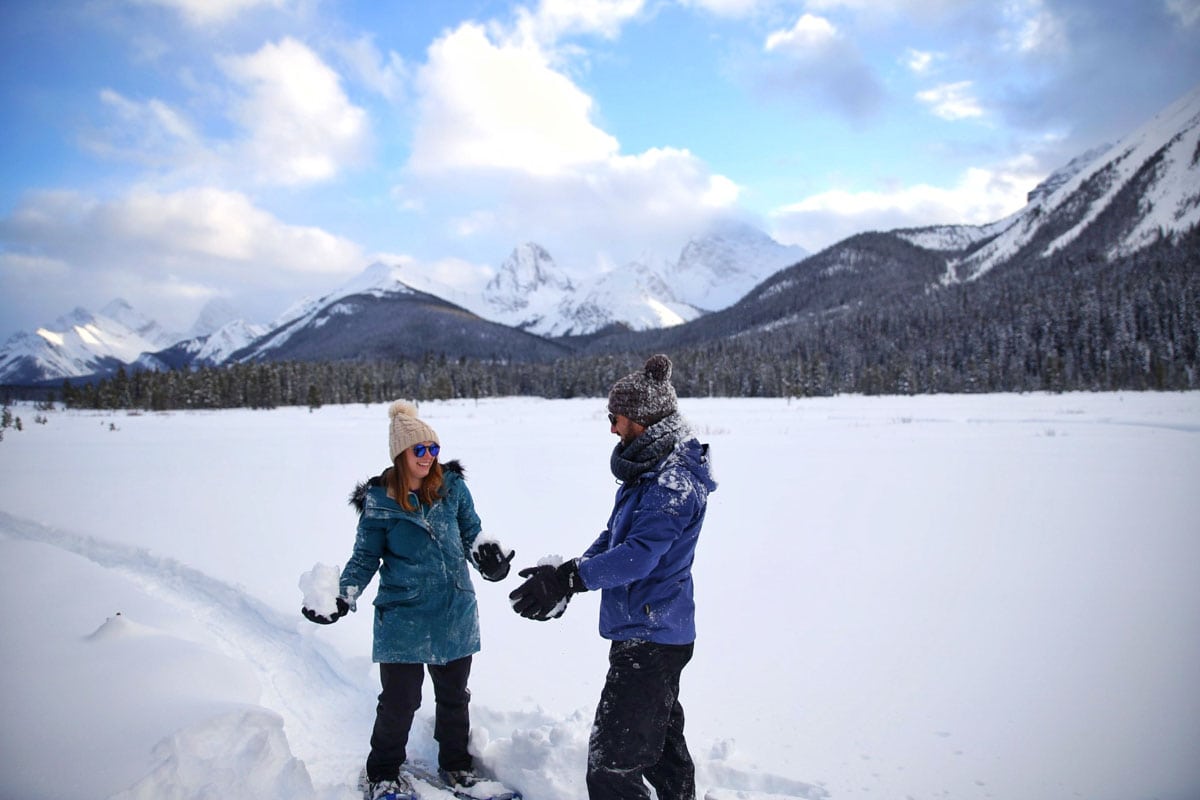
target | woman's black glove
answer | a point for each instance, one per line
(546, 590)
(492, 561)
(343, 608)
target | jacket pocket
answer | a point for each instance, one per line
(397, 596)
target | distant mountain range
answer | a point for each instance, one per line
(389, 312)
(729, 287)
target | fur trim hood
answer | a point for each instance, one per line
(358, 498)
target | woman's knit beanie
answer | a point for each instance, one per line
(406, 430)
(647, 396)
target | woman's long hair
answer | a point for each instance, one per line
(399, 478)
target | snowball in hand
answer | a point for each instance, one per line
(320, 587)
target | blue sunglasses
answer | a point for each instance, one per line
(419, 450)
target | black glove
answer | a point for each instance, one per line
(545, 588)
(492, 562)
(343, 608)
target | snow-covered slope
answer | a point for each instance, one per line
(637, 296)
(81, 343)
(529, 291)
(379, 316)
(216, 314)
(1156, 170)
(208, 350)
(953, 238)
(532, 292)
(720, 268)
(378, 280)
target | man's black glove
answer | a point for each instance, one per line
(546, 590)
(343, 608)
(492, 561)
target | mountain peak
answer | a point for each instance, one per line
(528, 269)
(216, 313)
(719, 268)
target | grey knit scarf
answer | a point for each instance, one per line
(629, 461)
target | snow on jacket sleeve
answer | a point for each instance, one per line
(370, 543)
(648, 519)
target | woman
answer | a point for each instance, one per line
(418, 528)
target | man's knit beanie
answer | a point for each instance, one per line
(406, 429)
(647, 396)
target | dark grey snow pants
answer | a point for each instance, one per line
(638, 731)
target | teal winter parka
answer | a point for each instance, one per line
(425, 610)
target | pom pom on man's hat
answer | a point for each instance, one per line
(406, 428)
(646, 397)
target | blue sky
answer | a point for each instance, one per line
(261, 151)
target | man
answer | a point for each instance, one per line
(642, 562)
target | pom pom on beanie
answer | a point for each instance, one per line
(406, 429)
(645, 397)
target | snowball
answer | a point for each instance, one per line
(320, 587)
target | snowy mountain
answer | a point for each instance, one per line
(638, 297)
(531, 292)
(81, 343)
(1123, 198)
(378, 316)
(204, 351)
(1106, 205)
(378, 280)
(1104, 240)
(216, 314)
(956, 238)
(717, 270)
(217, 333)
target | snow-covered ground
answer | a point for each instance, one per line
(929, 597)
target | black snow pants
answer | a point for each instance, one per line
(398, 704)
(638, 732)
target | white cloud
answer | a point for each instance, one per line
(149, 132)
(161, 249)
(223, 229)
(302, 126)
(809, 33)
(889, 8)
(813, 61)
(501, 106)
(386, 74)
(211, 12)
(952, 101)
(730, 8)
(1186, 11)
(31, 270)
(1035, 29)
(212, 229)
(981, 196)
(604, 213)
(919, 61)
(153, 113)
(506, 150)
(558, 18)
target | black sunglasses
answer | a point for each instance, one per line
(612, 419)
(419, 450)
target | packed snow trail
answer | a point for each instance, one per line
(308, 740)
(322, 707)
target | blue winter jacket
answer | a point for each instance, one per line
(425, 611)
(643, 559)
